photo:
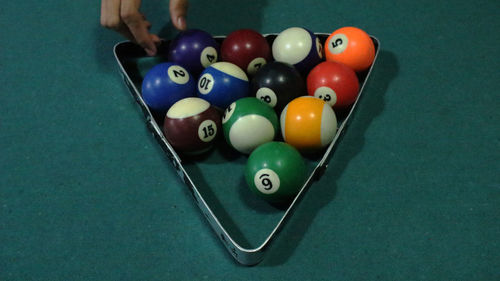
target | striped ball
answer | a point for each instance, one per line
(308, 123)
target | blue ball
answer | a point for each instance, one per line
(165, 84)
(222, 83)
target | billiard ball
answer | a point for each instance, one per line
(335, 83)
(246, 48)
(192, 125)
(248, 123)
(222, 83)
(194, 49)
(165, 84)
(350, 46)
(299, 47)
(277, 83)
(308, 123)
(275, 171)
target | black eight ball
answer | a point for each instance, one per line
(277, 83)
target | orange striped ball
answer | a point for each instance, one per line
(308, 123)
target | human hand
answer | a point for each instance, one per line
(124, 17)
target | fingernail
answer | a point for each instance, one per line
(181, 23)
(150, 52)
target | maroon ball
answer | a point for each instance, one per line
(246, 48)
(192, 125)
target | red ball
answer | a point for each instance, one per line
(333, 82)
(192, 125)
(246, 48)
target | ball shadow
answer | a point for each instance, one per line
(323, 192)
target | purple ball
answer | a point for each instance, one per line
(194, 49)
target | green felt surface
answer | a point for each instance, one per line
(412, 192)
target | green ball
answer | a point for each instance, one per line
(276, 172)
(248, 123)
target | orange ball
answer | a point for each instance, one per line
(308, 123)
(352, 47)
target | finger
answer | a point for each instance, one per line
(110, 18)
(110, 14)
(147, 24)
(143, 16)
(123, 30)
(155, 38)
(126, 32)
(133, 19)
(178, 13)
